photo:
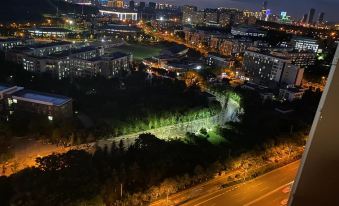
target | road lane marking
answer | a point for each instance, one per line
(211, 198)
(293, 165)
(268, 194)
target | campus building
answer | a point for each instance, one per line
(268, 69)
(17, 99)
(248, 31)
(49, 32)
(305, 44)
(119, 14)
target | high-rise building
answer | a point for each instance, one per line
(321, 18)
(311, 16)
(142, 5)
(152, 5)
(115, 3)
(198, 17)
(225, 18)
(304, 19)
(187, 13)
(211, 15)
(264, 5)
(131, 5)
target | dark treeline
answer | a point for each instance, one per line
(107, 107)
(32, 10)
(153, 168)
(146, 171)
(78, 177)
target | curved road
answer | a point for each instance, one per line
(267, 189)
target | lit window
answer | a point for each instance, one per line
(15, 101)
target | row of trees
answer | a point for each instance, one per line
(154, 168)
(148, 170)
(107, 107)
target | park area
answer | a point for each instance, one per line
(140, 51)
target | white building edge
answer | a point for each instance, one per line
(317, 181)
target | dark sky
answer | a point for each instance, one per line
(294, 8)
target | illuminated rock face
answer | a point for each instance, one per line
(231, 109)
(233, 112)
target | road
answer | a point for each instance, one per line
(276, 197)
(25, 151)
(259, 191)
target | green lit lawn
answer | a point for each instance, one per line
(139, 51)
(214, 138)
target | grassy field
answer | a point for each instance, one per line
(139, 51)
(214, 138)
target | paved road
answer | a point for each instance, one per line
(259, 191)
(25, 151)
(275, 198)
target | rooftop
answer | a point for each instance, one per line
(9, 39)
(41, 98)
(120, 27)
(3, 87)
(73, 51)
(293, 89)
(304, 38)
(50, 29)
(249, 28)
(50, 44)
(119, 10)
(116, 55)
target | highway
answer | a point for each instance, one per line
(268, 189)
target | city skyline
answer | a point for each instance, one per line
(297, 9)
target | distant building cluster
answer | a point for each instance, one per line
(70, 60)
(217, 17)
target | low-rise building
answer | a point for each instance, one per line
(55, 32)
(262, 67)
(218, 61)
(9, 43)
(59, 64)
(17, 99)
(248, 31)
(305, 44)
(291, 94)
(299, 58)
(115, 64)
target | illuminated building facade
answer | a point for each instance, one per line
(49, 32)
(268, 69)
(120, 14)
(10, 43)
(299, 58)
(187, 13)
(305, 44)
(211, 15)
(248, 31)
(115, 3)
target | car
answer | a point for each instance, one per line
(284, 202)
(287, 189)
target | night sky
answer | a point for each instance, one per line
(294, 8)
